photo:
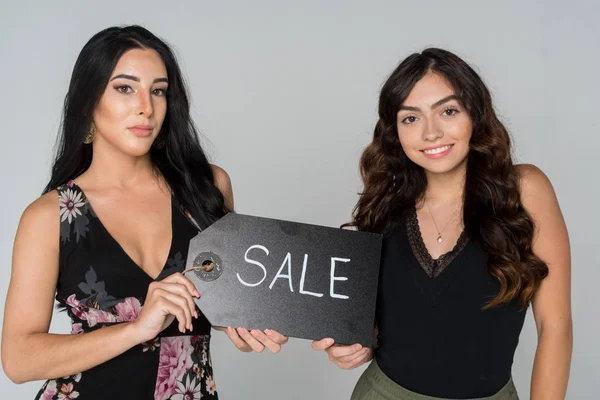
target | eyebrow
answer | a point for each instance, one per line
(434, 105)
(136, 79)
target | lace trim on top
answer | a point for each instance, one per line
(433, 267)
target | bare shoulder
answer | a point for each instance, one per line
(536, 188)
(221, 177)
(540, 201)
(223, 183)
(42, 214)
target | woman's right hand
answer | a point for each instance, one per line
(171, 298)
(345, 357)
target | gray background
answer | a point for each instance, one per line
(285, 94)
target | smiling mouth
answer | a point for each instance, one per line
(437, 150)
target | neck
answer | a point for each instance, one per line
(110, 168)
(447, 187)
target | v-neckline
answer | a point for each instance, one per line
(433, 267)
(118, 245)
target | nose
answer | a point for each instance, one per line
(432, 130)
(145, 106)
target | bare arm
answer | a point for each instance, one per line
(29, 352)
(552, 302)
(223, 183)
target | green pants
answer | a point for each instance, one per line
(375, 385)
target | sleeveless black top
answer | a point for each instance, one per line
(100, 285)
(434, 338)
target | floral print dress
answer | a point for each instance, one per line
(99, 285)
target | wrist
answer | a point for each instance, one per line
(131, 334)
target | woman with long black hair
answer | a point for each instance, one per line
(130, 187)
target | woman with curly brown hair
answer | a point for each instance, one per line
(470, 241)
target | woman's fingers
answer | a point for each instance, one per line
(352, 357)
(180, 302)
(276, 336)
(180, 279)
(322, 344)
(173, 308)
(267, 342)
(255, 340)
(251, 340)
(237, 340)
(364, 356)
(182, 291)
(341, 351)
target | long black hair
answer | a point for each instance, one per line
(181, 160)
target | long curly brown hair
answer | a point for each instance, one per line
(493, 214)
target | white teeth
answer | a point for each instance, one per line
(437, 151)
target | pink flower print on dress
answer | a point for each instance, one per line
(174, 361)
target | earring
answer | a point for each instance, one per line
(90, 136)
(159, 142)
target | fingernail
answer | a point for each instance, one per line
(329, 342)
(196, 314)
(196, 293)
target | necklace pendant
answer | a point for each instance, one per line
(439, 239)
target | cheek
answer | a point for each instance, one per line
(461, 130)
(111, 110)
(409, 140)
(160, 110)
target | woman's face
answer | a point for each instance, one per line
(133, 106)
(433, 128)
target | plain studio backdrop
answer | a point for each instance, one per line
(285, 95)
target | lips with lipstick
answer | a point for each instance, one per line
(141, 130)
(438, 151)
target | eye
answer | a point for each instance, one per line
(124, 89)
(450, 111)
(159, 92)
(409, 120)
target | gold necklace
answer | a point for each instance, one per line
(439, 238)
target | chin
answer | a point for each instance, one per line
(136, 151)
(442, 166)
(439, 169)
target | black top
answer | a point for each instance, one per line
(100, 285)
(434, 338)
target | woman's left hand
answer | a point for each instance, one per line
(255, 340)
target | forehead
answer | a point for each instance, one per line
(143, 63)
(429, 89)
